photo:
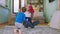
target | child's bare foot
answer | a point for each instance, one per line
(20, 32)
(15, 32)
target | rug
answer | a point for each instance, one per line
(36, 30)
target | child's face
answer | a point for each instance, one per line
(19, 10)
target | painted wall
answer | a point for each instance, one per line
(3, 15)
(9, 4)
(49, 9)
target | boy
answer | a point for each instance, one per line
(19, 19)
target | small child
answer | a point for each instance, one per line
(19, 19)
(31, 9)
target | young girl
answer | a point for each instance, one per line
(31, 10)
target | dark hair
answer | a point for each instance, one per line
(30, 3)
(23, 9)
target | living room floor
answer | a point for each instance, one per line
(37, 30)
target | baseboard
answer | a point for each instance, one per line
(4, 23)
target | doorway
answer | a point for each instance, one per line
(16, 4)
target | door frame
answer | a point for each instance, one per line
(13, 6)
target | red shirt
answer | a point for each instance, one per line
(31, 9)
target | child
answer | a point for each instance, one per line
(31, 9)
(28, 18)
(28, 14)
(19, 19)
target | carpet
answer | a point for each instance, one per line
(36, 30)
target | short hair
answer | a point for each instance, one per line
(23, 9)
(30, 3)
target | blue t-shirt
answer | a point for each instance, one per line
(20, 17)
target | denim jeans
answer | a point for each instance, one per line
(29, 24)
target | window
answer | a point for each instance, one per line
(16, 4)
